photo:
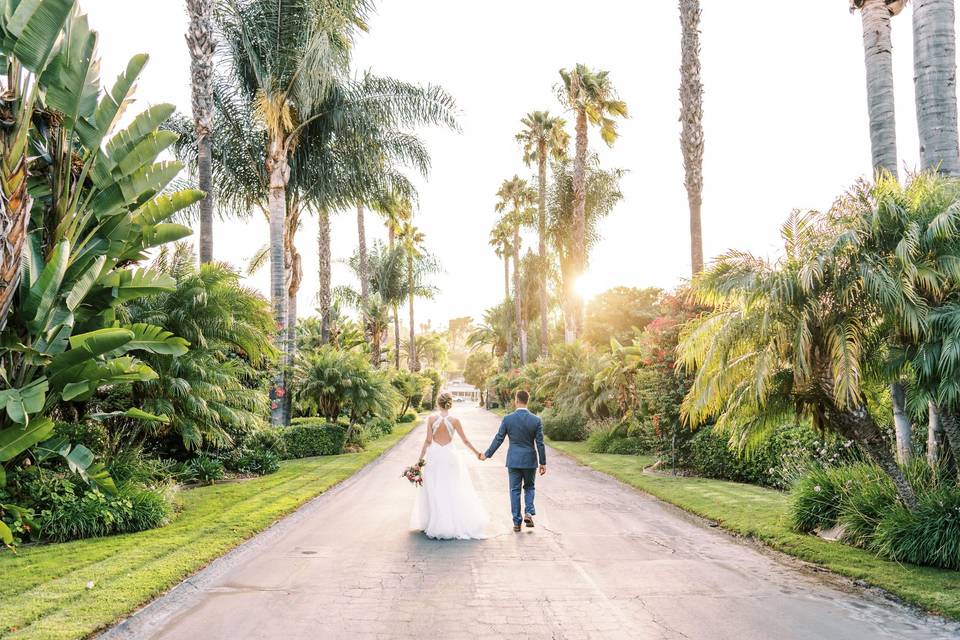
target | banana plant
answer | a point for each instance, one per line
(82, 203)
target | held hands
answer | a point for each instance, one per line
(543, 469)
(480, 456)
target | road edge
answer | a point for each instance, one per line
(151, 617)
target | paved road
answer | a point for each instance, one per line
(603, 562)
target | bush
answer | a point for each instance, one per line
(815, 500)
(379, 427)
(267, 439)
(564, 426)
(67, 508)
(205, 469)
(928, 536)
(93, 435)
(131, 465)
(603, 433)
(866, 495)
(259, 462)
(407, 417)
(307, 437)
(629, 446)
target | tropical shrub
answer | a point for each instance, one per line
(407, 418)
(815, 499)
(379, 427)
(630, 446)
(436, 383)
(267, 439)
(96, 204)
(91, 434)
(67, 508)
(332, 382)
(249, 460)
(410, 387)
(565, 425)
(603, 433)
(212, 394)
(205, 469)
(307, 437)
(928, 535)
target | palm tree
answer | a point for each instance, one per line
(935, 72)
(515, 199)
(691, 119)
(200, 42)
(501, 239)
(878, 58)
(590, 94)
(395, 211)
(412, 240)
(786, 337)
(387, 288)
(283, 58)
(543, 136)
(602, 194)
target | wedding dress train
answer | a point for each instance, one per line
(447, 505)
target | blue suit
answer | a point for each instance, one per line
(525, 432)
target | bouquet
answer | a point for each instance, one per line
(413, 474)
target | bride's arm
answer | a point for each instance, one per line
(459, 428)
(426, 441)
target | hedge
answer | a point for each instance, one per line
(307, 437)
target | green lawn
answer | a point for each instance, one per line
(762, 514)
(44, 594)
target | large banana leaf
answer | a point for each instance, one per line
(72, 79)
(16, 439)
(112, 105)
(130, 190)
(147, 337)
(46, 289)
(163, 206)
(20, 403)
(90, 375)
(32, 28)
(129, 284)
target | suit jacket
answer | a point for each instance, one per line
(524, 431)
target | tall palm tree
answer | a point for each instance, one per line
(283, 58)
(878, 59)
(602, 194)
(935, 73)
(395, 211)
(202, 46)
(387, 288)
(691, 119)
(516, 196)
(412, 240)
(590, 94)
(501, 239)
(543, 136)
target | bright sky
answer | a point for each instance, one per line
(785, 122)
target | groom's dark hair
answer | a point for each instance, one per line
(523, 397)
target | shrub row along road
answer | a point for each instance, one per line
(604, 561)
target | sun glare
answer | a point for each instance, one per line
(588, 286)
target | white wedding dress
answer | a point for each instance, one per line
(447, 506)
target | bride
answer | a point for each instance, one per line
(447, 505)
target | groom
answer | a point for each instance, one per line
(524, 430)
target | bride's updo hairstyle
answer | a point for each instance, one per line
(445, 401)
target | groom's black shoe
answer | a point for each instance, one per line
(516, 528)
(528, 520)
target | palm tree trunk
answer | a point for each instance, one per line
(506, 299)
(878, 59)
(903, 428)
(951, 426)
(414, 363)
(362, 252)
(517, 297)
(575, 312)
(691, 117)
(279, 172)
(542, 246)
(294, 277)
(935, 436)
(396, 336)
(324, 297)
(200, 42)
(291, 350)
(935, 80)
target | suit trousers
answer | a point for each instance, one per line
(525, 480)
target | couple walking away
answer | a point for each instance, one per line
(448, 507)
